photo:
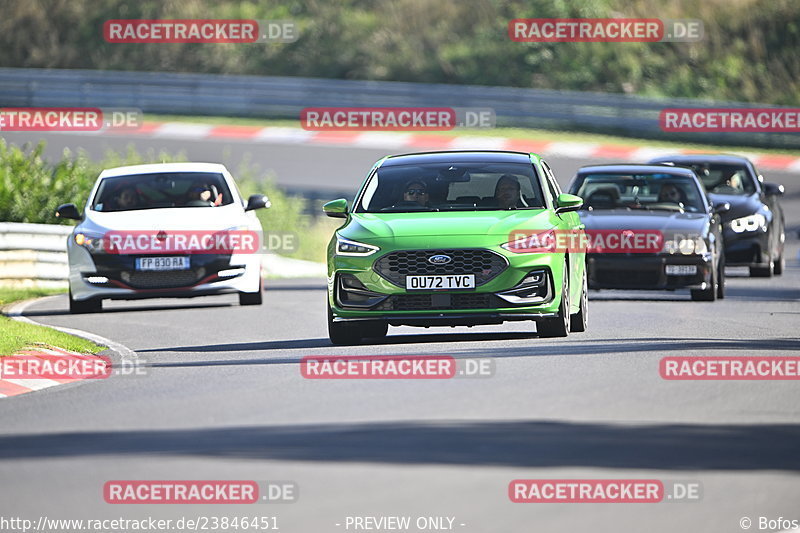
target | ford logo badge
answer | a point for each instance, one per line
(440, 259)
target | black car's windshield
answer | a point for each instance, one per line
(721, 178)
(639, 191)
(167, 189)
(451, 187)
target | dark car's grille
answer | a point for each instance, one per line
(162, 280)
(628, 278)
(485, 264)
(439, 301)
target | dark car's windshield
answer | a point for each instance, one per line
(451, 187)
(167, 189)
(721, 178)
(638, 191)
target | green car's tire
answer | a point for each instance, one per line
(558, 326)
(580, 320)
(343, 333)
(375, 330)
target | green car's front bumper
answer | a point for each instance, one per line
(512, 287)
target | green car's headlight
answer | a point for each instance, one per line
(749, 223)
(353, 248)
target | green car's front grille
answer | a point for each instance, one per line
(440, 301)
(484, 264)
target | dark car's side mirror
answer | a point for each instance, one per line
(257, 201)
(336, 208)
(68, 211)
(773, 189)
(568, 202)
(722, 207)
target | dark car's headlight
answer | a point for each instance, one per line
(748, 223)
(93, 243)
(354, 248)
(685, 246)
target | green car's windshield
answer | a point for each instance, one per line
(639, 191)
(446, 187)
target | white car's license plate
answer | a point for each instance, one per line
(681, 270)
(162, 263)
(447, 282)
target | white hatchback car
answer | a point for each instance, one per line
(164, 230)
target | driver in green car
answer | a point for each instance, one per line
(416, 191)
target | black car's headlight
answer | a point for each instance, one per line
(354, 248)
(748, 223)
(685, 246)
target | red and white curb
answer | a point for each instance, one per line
(411, 141)
(15, 387)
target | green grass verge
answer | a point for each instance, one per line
(16, 336)
(509, 133)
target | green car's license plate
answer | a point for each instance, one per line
(454, 281)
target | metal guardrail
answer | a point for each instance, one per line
(33, 255)
(285, 97)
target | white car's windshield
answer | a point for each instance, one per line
(162, 190)
(446, 187)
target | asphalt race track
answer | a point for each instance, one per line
(223, 398)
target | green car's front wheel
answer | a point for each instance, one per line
(558, 326)
(580, 320)
(346, 333)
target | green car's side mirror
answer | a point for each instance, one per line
(568, 202)
(336, 208)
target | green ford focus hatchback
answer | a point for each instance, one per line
(427, 242)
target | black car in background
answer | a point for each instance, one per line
(666, 200)
(753, 228)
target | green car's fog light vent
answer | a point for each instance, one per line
(534, 288)
(352, 293)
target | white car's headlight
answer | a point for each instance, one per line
(359, 249)
(93, 243)
(748, 223)
(695, 245)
